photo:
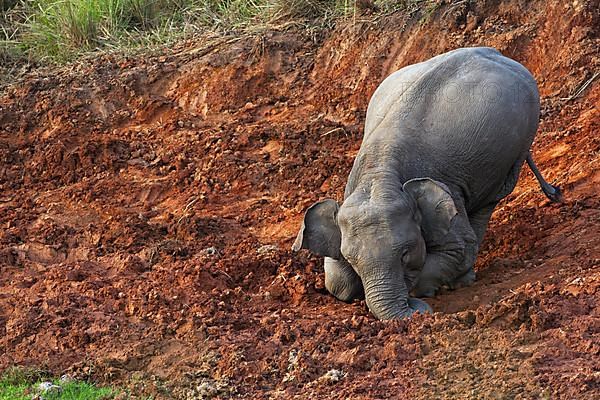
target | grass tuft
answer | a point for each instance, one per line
(308, 9)
(23, 384)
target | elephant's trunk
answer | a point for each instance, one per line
(387, 297)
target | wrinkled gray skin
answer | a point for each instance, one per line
(444, 142)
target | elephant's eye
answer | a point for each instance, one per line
(405, 256)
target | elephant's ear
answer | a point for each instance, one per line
(436, 205)
(320, 232)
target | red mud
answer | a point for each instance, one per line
(147, 208)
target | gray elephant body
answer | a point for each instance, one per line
(444, 141)
(466, 118)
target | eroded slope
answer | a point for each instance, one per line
(147, 207)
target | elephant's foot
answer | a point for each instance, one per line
(428, 286)
(342, 281)
(440, 270)
(425, 287)
(465, 280)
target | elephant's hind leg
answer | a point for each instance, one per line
(342, 281)
(510, 182)
(479, 221)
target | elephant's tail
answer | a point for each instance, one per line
(552, 192)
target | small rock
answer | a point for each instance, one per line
(135, 264)
(267, 248)
(207, 390)
(210, 388)
(333, 376)
(210, 251)
(357, 321)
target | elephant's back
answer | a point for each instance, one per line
(464, 117)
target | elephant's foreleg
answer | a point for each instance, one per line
(440, 269)
(342, 281)
(449, 262)
(479, 222)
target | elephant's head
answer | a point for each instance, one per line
(382, 234)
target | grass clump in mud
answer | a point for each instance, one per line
(25, 384)
(59, 30)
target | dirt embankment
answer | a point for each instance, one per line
(147, 206)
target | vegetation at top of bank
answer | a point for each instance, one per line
(60, 30)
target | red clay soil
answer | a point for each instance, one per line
(148, 205)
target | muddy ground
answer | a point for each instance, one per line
(148, 205)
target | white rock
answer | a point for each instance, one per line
(333, 376)
(267, 248)
(49, 387)
(211, 251)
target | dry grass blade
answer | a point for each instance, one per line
(584, 86)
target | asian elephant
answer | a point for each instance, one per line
(444, 142)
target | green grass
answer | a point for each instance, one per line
(61, 30)
(22, 384)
